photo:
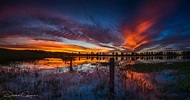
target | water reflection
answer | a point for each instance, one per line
(50, 63)
(132, 85)
(74, 76)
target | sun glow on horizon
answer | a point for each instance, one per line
(28, 43)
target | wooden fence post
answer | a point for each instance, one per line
(71, 67)
(111, 84)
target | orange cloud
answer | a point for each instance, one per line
(26, 43)
(150, 13)
(137, 37)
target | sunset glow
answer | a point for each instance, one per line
(26, 43)
(143, 26)
(94, 49)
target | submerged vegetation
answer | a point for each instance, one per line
(176, 76)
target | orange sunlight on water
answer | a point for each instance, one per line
(52, 63)
(142, 80)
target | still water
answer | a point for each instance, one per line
(86, 77)
(51, 63)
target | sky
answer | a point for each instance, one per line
(95, 25)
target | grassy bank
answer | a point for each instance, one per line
(156, 67)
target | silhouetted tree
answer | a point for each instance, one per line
(112, 53)
(97, 53)
(132, 54)
(103, 53)
(122, 53)
(116, 53)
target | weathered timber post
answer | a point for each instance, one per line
(111, 84)
(71, 67)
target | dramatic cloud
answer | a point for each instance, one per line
(136, 31)
(95, 26)
(54, 27)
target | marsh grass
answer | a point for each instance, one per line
(178, 87)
